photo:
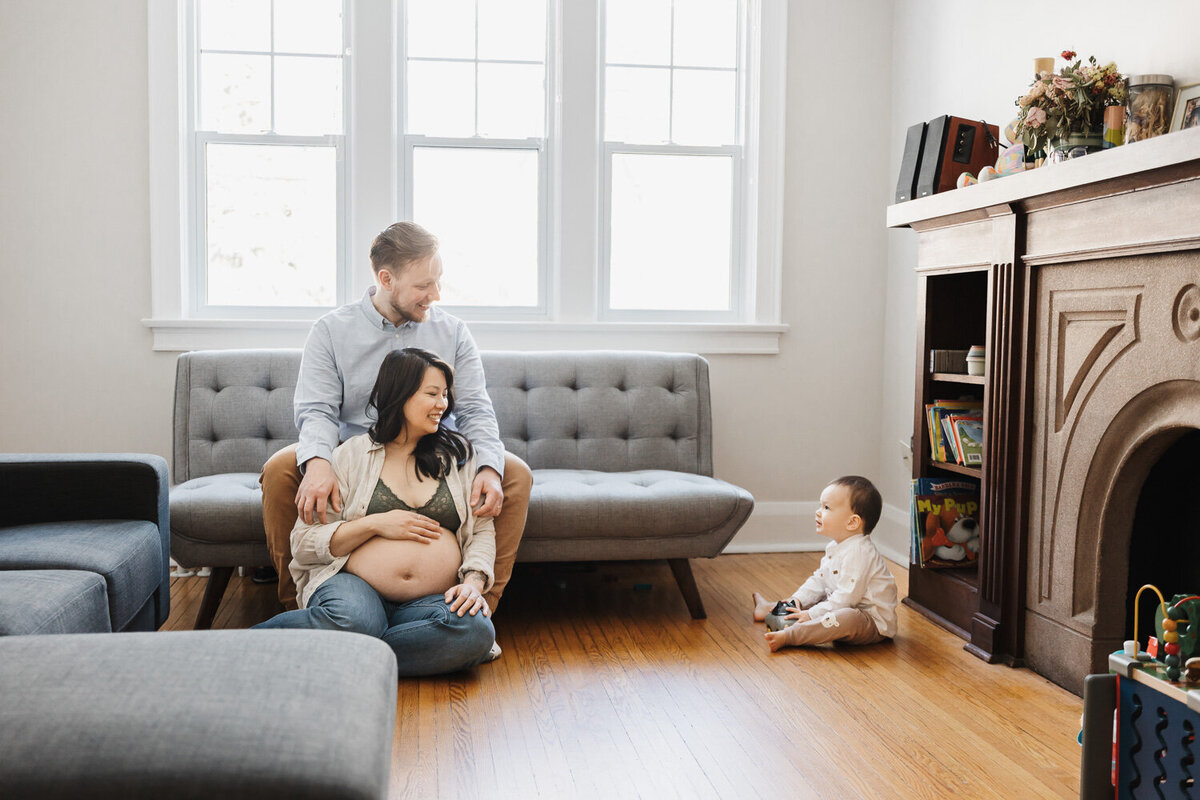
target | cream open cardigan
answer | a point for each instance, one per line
(357, 464)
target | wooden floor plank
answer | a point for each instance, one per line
(608, 689)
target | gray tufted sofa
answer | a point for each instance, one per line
(620, 444)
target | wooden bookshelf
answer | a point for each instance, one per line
(953, 315)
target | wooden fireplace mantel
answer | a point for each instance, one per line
(1121, 169)
(1069, 275)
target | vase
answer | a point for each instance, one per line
(1074, 145)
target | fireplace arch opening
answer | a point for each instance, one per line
(1148, 444)
(1164, 539)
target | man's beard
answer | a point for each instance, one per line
(403, 314)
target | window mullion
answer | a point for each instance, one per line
(580, 70)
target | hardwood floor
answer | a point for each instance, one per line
(608, 689)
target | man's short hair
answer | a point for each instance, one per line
(865, 500)
(401, 244)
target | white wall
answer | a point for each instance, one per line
(76, 365)
(76, 369)
(813, 412)
(956, 57)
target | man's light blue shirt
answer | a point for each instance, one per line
(341, 361)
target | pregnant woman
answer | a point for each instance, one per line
(405, 560)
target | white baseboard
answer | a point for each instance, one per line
(788, 528)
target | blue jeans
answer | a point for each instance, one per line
(426, 636)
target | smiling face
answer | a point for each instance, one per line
(835, 518)
(407, 293)
(423, 411)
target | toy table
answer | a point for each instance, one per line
(1151, 751)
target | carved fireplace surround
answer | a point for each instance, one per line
(1093, 372)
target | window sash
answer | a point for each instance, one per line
(198, 305)
(540, 310)
(604, 283)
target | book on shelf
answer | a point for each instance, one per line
(954, 361)
(945, 523)
(941, 433)
(965, 449)
(968, 440)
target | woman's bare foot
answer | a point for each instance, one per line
(762, 607)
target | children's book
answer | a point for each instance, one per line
(935, 413)
(968, 440)
(945, 522)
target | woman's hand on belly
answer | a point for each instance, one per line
(399, 525)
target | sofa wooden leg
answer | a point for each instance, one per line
(217, 581)
(687, 585)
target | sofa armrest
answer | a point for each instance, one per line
(57, 487)
(62, 487)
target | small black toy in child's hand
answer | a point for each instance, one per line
(776, 619)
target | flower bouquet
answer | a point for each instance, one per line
(1069, 102)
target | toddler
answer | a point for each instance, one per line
(852, 596)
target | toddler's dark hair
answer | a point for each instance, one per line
(865, 500)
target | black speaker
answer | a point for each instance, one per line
(954, 145)
(931, 156)
(906, 186)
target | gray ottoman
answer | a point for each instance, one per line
(197, 714)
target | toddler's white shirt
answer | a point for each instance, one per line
(852, 575)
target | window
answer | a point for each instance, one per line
(672, 155)
(474, 104)
(268, 146)
(584, 163)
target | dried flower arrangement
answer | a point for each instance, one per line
(1071, 101)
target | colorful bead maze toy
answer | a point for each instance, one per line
(1148, 749)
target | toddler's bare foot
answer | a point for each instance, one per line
(762, 607)
(776, 639)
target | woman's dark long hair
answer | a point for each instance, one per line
(400, 376)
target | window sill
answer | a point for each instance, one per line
(703, 338)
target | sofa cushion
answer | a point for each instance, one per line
(52, 601)
(216, 510)
(126, 553)
(630, 515)
(197, 714)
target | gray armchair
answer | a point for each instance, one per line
(84, 543)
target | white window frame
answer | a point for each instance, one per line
(573, 185)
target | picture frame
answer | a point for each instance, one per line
(1187, 108)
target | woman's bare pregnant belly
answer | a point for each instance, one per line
(406, 570)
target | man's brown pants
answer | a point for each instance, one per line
(281, 479)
